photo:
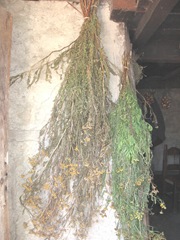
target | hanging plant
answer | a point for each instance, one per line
(67, 173)
(166, 101)
(131, 160)
(149, 97)
(62, 189)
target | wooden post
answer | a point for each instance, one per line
(5, 48)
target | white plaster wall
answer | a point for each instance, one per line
(38, 29)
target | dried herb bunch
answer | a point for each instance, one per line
(131, 159)
(67, 173)
(62, 189)
(131, 165)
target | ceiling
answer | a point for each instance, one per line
(154, 29)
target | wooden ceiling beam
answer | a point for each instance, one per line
(172, 74)
(158, 83)
(122, 10)
(161, 51)
(155, 15)
(124, 5)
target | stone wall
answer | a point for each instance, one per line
(38, 29)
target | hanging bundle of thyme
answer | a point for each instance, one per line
(131, 165)
(131, 159)
(67, 173)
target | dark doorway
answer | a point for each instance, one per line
(162, 83)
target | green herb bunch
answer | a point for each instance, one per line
(131, 159)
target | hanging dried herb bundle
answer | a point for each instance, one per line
(131, 165)
(67, 173)
(66, 180)
(131, 159)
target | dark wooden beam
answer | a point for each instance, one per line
(173, 74)
(169, 32)
(161, 51)
(172, 21)
(122, 11)
(158, 83)
(170, 80)
(124, 5)
(5, 47)
(155, 15)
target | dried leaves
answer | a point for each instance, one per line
(67, 174)
(66, 179)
